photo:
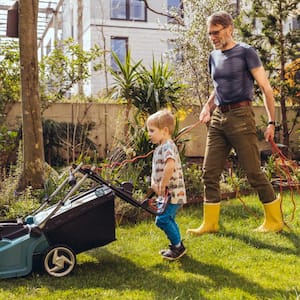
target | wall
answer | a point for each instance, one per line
(146, 39)
(109, 124)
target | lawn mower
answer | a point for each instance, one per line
(54, 234)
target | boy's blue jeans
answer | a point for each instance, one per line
(166, 222)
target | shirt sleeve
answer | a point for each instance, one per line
(168, 152)
(252, 58)
(209, 64)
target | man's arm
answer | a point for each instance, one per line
(207, 109)
(260, 76)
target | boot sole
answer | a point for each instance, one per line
(175, 258)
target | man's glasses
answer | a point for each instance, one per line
(216, 32)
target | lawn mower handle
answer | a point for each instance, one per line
(118, 191)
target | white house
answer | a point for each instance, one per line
(119, 26)
(115, 25)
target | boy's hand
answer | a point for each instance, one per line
(163, 190)
(158, 189)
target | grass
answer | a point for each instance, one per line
(235, 263)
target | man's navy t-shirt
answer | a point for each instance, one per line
(230, 72)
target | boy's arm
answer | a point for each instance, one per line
(167, 174)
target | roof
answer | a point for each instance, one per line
(46, 9)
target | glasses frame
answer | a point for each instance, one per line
(216, 32)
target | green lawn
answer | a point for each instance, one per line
(235, 263)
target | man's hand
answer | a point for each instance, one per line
(204, 116)
(269, 133)
(207, 109)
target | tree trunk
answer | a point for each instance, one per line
(33, 150)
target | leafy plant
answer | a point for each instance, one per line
(13, 204)
(156, 88)
(125, 77)
(66, 141)
(8, 145)
(125, 82)
(190, 47)
(25, 203)
(281, 171)
(147, 89)
(9, 75)
(236, 182)
(277, 47)
(193, 180)
(135, 149)
(65, 66)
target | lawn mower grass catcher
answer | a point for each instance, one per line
(53, 234)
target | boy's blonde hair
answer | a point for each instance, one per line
(162, 118)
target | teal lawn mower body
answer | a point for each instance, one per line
(51, 236)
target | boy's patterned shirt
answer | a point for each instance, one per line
(176, 185)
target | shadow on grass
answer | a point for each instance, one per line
(237, 213)
(241, 211)
(255, 242)
(295, 239)
(111, 272)
(224, 278)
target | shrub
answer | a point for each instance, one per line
(193, 180)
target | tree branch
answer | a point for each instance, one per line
(176, 18)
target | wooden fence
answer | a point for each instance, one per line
(109, 121)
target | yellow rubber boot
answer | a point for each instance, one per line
(273, 221)
(211, 213)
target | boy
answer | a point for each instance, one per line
(167, 176)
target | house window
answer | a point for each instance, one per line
(137, 10)
(175, 8)
(128, 10)
(118, 9)
(119, 45)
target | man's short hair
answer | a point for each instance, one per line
(220, 18)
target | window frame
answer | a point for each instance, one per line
(113, 64)
(128, 7)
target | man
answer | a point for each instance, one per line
(234, 67)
